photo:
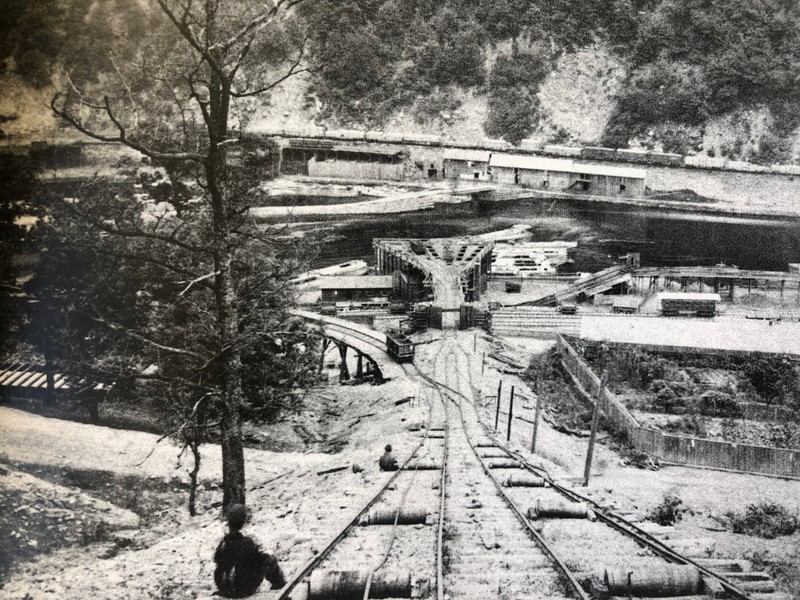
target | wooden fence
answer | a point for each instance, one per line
(678, 449)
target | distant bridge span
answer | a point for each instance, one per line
(368, 343)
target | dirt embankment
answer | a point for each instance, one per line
(116, 503)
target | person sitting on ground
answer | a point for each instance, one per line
(388, 462)
(241, 564)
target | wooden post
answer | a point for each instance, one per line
(536, 416)
(510, 414)
(497, 412)
(595, 418)
(475, 342)
(483, 363)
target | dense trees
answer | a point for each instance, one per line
(698, 57)
(164, 80)
(513, 104)
(371, 58)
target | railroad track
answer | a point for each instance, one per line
(494, 524)
(578, 526)
(386, 550)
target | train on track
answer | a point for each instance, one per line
(399, 347)
(587, 153)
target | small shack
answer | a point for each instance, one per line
(604, 180)
(466, 164)
(531, 171)
(355, 288)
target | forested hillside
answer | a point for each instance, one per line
(717, 76)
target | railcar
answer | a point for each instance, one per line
(399, 347)
(688, 304)
(597, 153)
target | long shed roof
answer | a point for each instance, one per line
(610, 171)
(534, 163)
(363, 282)
(467, 155)
(562, 165)
(689, 296)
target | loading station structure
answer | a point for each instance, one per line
(561, 174)
(453, 271)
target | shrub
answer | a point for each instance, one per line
(668, 512)
(772, 378)
(767, 520)
(513, 104)
(441, 100)
(665, 91)
(688, 424)
(714, 403)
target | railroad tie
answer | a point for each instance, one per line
(504, 464)
(494, 452)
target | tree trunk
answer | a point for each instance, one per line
(230, 363)
(194, 445)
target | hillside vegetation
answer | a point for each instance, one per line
(717, 76)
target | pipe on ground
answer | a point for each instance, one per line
(654, 581)
(414, 515)
(350, 585)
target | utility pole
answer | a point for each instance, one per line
(595, 418)
(497, 411)
(536, 416)
(510, 414)
(475, 341)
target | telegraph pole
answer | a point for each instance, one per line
(595, 418)
(536, 416)
(510, 414)
(497, 411)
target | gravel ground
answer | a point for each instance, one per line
(169, 554)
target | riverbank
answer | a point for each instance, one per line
(673, 194)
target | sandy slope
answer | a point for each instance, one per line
(297, 513)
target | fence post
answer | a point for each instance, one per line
(510, 414)
(536, 416)
(595, 418)
(497, 411)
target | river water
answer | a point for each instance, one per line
(603, 233)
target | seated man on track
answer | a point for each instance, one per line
(388, 462)
(241, 564)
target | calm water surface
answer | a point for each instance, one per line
(603, 233)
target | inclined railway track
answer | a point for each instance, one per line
(486, 543)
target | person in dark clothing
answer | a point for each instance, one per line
(241, 564)
(388, 462)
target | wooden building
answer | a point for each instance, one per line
(359, 288)
(605, 180)
(561, 174)
(466, 164)
(329, 158)
(531, 171)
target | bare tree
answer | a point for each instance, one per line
(163, 79)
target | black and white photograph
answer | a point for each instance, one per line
(430, 299)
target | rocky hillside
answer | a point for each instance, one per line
(721, 78)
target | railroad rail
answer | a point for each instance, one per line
(312, 581)
(610, 519)
(485, 540)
